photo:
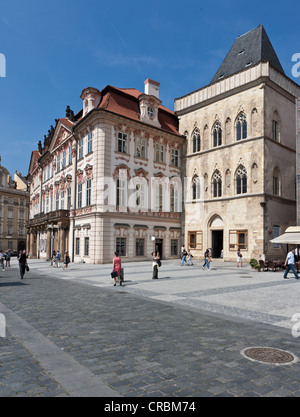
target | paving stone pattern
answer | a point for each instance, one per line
(138, 347)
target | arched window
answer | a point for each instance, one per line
(217, 135)
(241, 180)
(196, 140)
(241, 127)
(196, 188)
(276, 181)
(217, 184)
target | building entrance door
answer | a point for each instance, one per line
(217, 243)
(159, 247)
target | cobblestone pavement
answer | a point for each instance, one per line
(70, 334)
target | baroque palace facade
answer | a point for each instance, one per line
(107, 179)
(127, 174)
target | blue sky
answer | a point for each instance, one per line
(54, 49)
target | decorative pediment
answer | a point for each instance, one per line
(61, 135)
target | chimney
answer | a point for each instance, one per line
(152, 88)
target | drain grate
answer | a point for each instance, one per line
(269, 355)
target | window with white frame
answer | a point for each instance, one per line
(70, 155)
(80, 149)
(174, 199)
(88, 192)
(58, 163)
(62, 200)
(79, 196)
(159, 153)
(140, 195)
(57, 201)
(141, 147)
(122, 142)
(90, 143)
(175, 157)
(121, 192)
(159, 198)
(64, 159)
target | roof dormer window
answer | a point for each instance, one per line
(151, 112)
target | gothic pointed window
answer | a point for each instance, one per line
(196, 188)
(276, 127)
(217, 184)
(217, 135)
(241, 180)
(241, 127)
(196, 140)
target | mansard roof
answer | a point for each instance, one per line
(248, 50)
(125, 102)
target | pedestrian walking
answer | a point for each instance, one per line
(189, 258)
(8, 256)
(184, 255)
(57, 258)
(155, 263)
(239, 258)
(117, 265)
(207, 260)
(22, 262)
(289, 263)
(66, 260)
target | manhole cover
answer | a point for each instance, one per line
(269, 355)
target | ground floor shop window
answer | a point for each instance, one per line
(121, 246)
(140, 247)
(238, 239)
(174, 247)
(86, 246)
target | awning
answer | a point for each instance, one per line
(291, 236)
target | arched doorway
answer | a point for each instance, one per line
(216, 231)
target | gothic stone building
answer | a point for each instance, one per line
(108, 179)
(241, 153)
